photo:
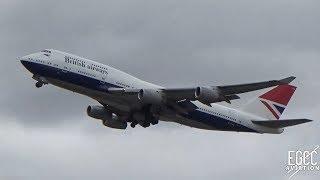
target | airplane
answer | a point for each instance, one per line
(125, 99)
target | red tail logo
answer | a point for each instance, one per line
(278, 98)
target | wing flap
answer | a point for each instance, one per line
(281, 123)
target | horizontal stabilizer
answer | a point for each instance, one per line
(281, 123)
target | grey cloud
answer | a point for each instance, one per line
(45, 132)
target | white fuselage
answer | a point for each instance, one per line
(92, 79)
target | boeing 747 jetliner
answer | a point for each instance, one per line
(126, 99)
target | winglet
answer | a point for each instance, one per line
(287, 80)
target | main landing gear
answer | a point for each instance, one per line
(133, 124)
(145, 123)
(145, 117)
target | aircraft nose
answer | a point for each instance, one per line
(19, 59)
(23, 58)
(25, 61)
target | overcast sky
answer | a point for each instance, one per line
(45, 133)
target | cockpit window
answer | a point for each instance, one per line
(46, 51)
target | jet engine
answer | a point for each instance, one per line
(150, 96)
(209, 95)
(108, 118)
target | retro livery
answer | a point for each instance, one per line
(126, 99)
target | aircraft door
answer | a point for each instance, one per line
(103, 78)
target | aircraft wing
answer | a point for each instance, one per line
(243, 88)
(227, 93)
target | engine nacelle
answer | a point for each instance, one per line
(108, 118)
(98, 112)
(208, 95)
(150, 96)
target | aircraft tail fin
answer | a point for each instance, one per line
(272, 104)
(282, 123)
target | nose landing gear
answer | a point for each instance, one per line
(40, 81)
(39, 84)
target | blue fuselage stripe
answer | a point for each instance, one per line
(216, 121)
